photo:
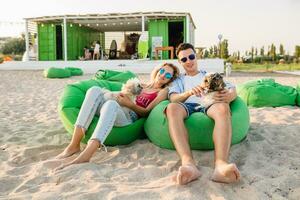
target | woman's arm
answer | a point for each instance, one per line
(143, 112)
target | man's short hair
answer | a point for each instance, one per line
(184, 46)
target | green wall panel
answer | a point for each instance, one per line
(159, 28)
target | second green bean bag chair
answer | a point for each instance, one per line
(267, 93)
(199, 126)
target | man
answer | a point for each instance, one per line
(183, 95)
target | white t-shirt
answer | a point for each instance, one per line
(189, 82)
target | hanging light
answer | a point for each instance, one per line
(128, 22)
(79, 25)
(71, 25)
(88, 24)
(105, 24)
(97, 24)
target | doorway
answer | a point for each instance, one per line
(176, 34)
(59, 43)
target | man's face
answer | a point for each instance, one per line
(189, 64)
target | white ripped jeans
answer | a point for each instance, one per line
(110, 114)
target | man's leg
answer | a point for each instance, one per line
(224, 172)
(179, 135)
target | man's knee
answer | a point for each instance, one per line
(175, 110)
(220, 110)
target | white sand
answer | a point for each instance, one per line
(31, 133)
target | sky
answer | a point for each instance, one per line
(245, 23)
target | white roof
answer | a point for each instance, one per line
(113, 21)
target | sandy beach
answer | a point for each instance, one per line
(31, 134)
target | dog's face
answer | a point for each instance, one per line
(132, 87)
(213, 82)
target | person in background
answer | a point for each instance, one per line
(96, 51)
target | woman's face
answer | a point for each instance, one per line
(165, 74)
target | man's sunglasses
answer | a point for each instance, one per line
(191, 57)
(168, 75)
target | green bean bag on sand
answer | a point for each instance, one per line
(75, 71)
(53, 72)
(267, 93)
(298, 96)
(72, 99)
(199, 126)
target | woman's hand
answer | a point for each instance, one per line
(124, 100)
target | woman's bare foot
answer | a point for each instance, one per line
(226, 173)
(69, 151)
(74, 146)
(84, 156)
(186, 174)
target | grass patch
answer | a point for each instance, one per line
(265, 67)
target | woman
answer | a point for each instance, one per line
(111, 113)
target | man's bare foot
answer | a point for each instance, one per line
(69, 151)
(226, 173)
(186, 174)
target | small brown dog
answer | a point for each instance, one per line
(212, 83)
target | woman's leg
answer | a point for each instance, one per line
(93, 98)
(111, 114)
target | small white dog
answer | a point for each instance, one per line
(212, 83)
(131, 88)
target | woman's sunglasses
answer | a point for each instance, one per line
(191, 57)
(168, 75)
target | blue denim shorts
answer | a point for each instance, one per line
(193, 107)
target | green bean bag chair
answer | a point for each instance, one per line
(111, 75)
(199, 126)
(75, 71)
(267, 93)
(53, 72)
(71, 101)
(298, 96)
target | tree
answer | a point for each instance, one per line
(252, 53)
(255, 52)
(206, 54)
(273, 52)
(215, 53)
(297, 51)
(281, 50)
(211, 51)
(14, 46)
(238, 55)
(224, 49)
(262, 51)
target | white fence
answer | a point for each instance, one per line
(137, 66)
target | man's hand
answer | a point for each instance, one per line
(198, 91)
(124, 100)
(223, 96)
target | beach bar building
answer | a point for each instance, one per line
(63, 37)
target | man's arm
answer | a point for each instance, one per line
(181, 97)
